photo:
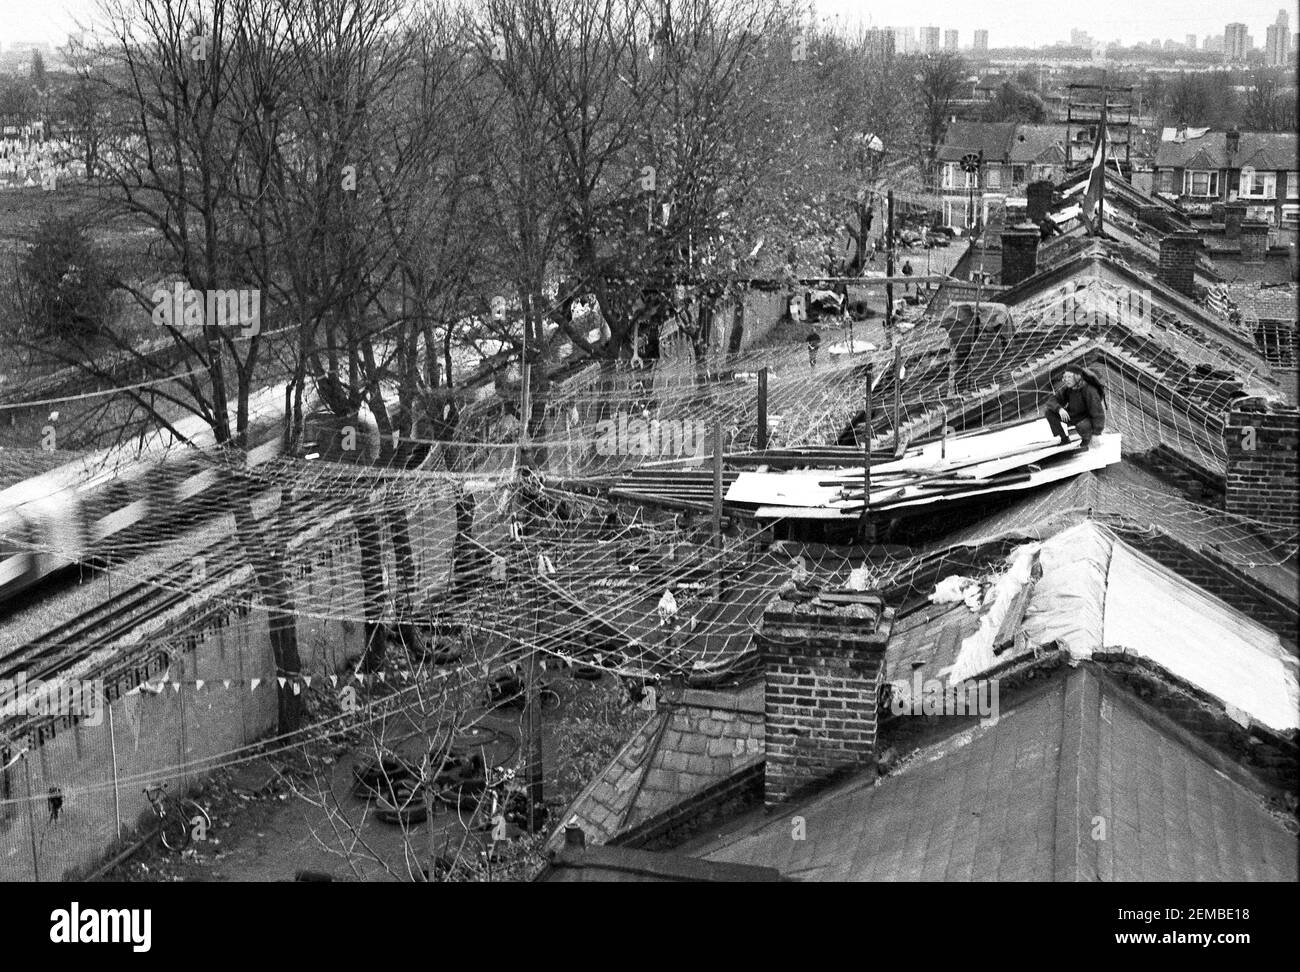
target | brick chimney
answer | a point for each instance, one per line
(1178, 261)
(824, 662)
(1019, 252)
(1260, 481)
(1232, 140)
(1233, 213)
(1040, 200)
(1254, 241)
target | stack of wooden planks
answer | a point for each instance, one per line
(1018, 456)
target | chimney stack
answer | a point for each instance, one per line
(1254, 241)
(824, 664)
(1040, 200)
(1178, 261)
(1233, 214)
(1019, 252)
(1260, 482)
(1233, 140)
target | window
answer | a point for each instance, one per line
(1258, 185)
(995, 177)
(1017, 174)
(1203, 184)
(1293, 185)
(1166, 183)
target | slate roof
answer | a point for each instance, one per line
(1261, 150)
(1042, 144)
(1019, 801)
(992, 138)
(695, 740)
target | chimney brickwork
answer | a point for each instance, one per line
(1178, 261)
(1039, 195)
(1261, 481)
(1019, 253)
(1254, 241)
(1233, 215)
(824, 664)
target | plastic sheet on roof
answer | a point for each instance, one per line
(1152, 612)
(1067, 603)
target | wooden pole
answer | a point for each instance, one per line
(898, 396)
(889, 267)
(717, 482)
(762, 407)
(533, 718)
(866, 459)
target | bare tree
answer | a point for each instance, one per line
(939, 81)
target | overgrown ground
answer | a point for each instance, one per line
(269, 822)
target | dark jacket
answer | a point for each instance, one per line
(1083, 401)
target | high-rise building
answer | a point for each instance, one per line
(981, 42)
(905, 39)
(1190, 43)
(1276, 45)
(1235, 42)
(1080, 38)
(932, 40)
(950, 40)
(880, 42)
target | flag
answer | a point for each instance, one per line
(1092, 196)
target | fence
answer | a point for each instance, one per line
(215, 694)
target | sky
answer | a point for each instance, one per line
(1030, 22)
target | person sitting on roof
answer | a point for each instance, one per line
(1080, 401)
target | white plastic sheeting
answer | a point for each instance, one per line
(1152, 612)
(976, 653)
(1067, 603)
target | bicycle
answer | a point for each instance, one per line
(177, 818)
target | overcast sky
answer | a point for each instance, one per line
(1007, 21)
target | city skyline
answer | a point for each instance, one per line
(1010, 23)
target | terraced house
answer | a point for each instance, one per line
(1200, 168)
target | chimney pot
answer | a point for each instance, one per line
(574, 836)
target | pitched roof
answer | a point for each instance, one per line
(1019, 800)
(963, 137)
(1263, 150)
(694, 741)
(1041, 144)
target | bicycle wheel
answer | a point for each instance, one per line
(195, 816)
(174, 831)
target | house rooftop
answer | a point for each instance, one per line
(1023, 800)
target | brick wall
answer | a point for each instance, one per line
(1019, 253)
(823, 666)
(1254, 241)
(1261, 481)
(1178, 261)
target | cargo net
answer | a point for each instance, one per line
(487, 533)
